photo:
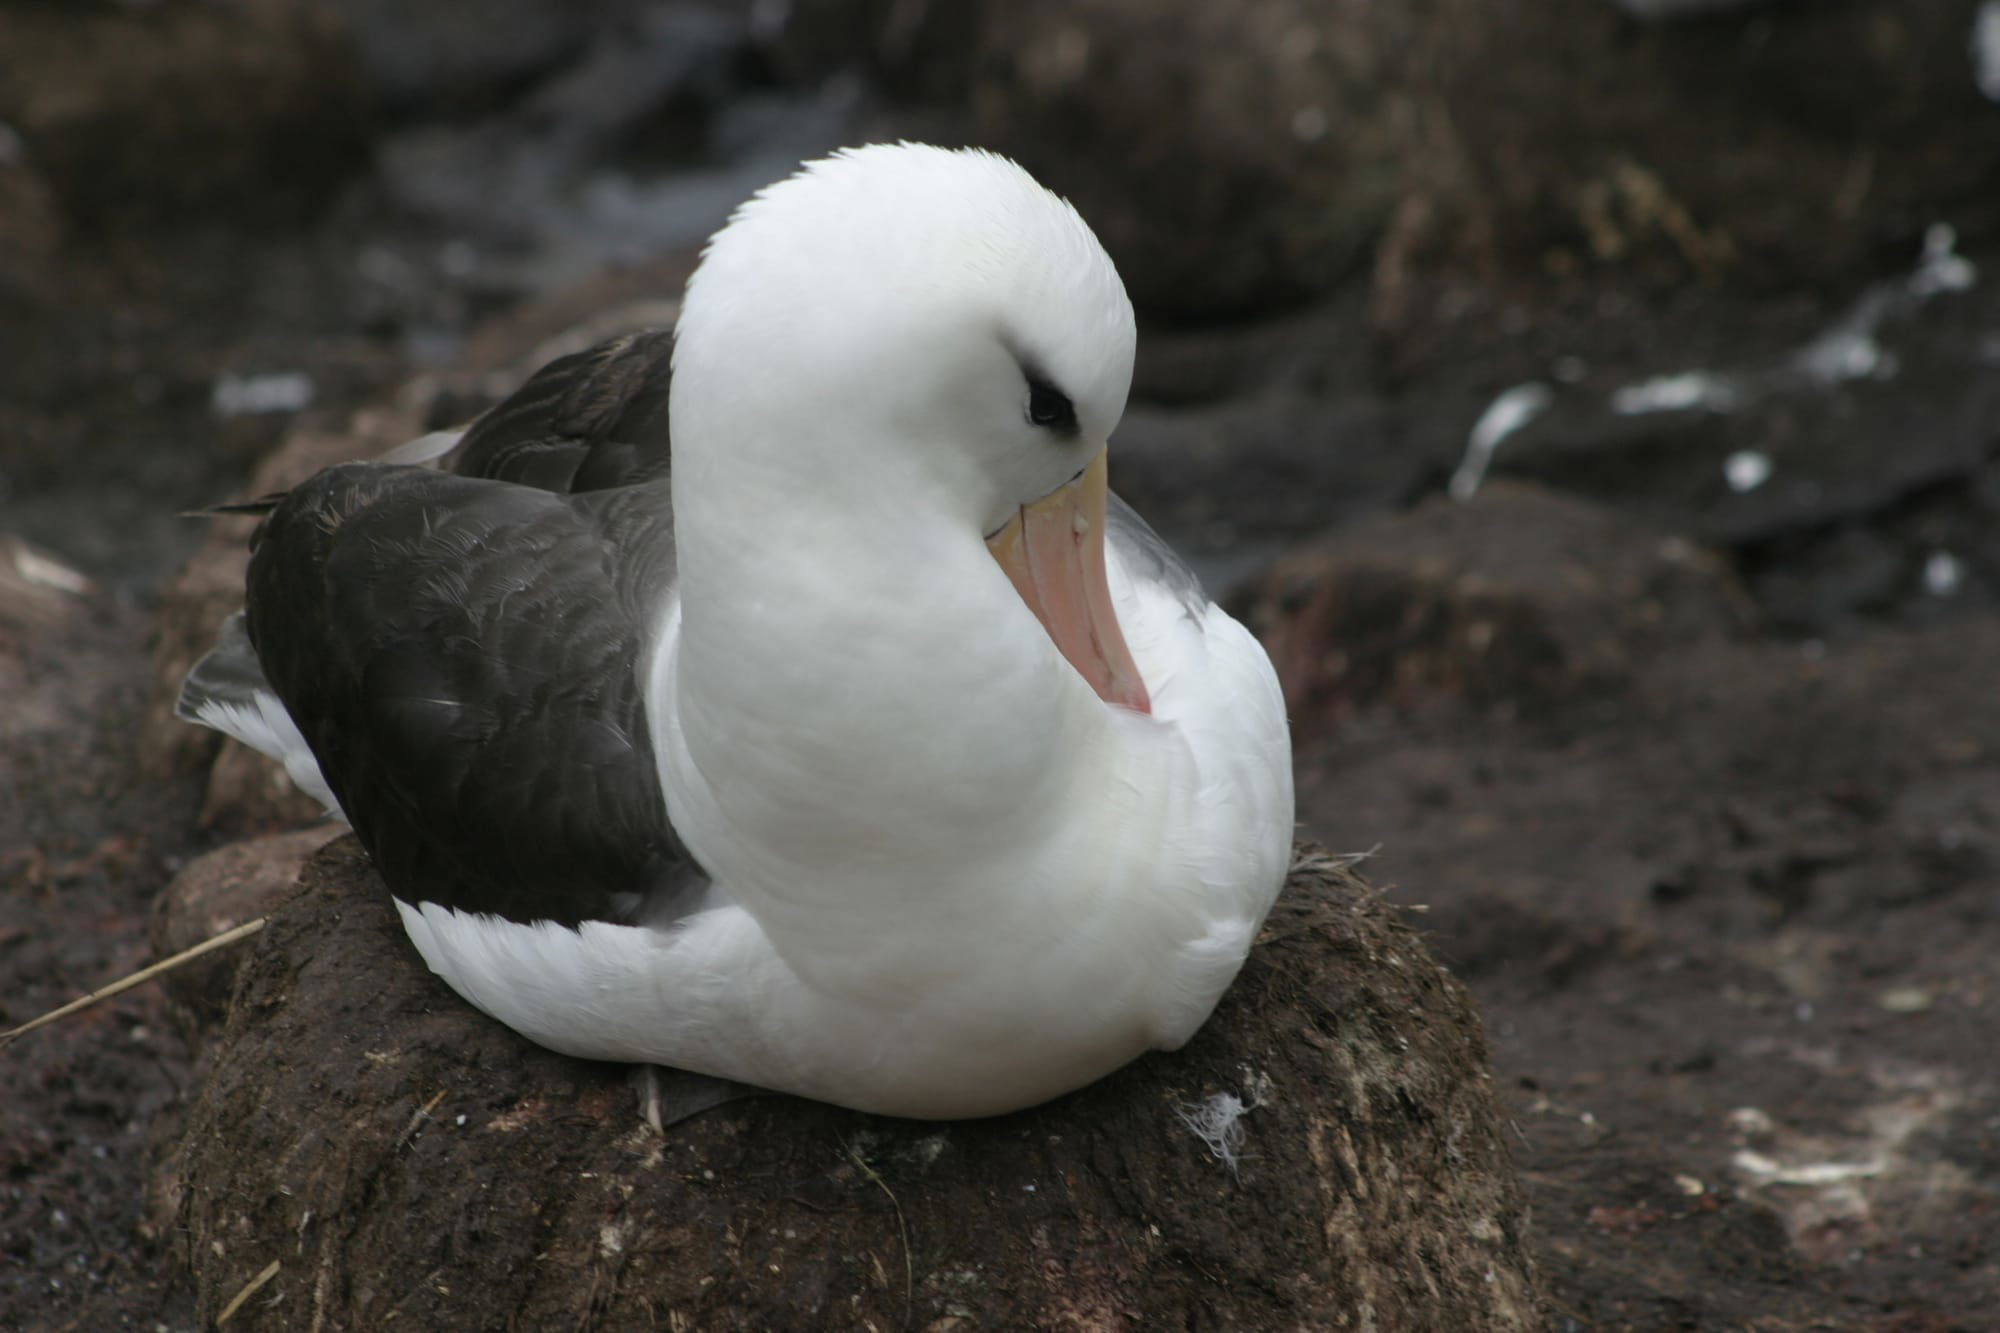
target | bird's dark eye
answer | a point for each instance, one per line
(1049, 407)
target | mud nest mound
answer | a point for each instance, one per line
(365, 1148)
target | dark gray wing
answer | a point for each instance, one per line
(584, 422)
(1149, 557)
(463, 655)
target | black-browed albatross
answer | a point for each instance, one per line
(867, 751)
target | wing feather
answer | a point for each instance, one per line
(462, 650)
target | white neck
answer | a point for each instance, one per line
(859, 705)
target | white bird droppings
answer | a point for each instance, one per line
(1943, 573)
(1940, 268)
(1986, 50)
(1746, 470)
(45, 571)
(252, 395)
(1686, 392)
(1506, 414)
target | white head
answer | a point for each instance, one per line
(884, 359)
(890, 320)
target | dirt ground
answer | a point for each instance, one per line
(1697, 782)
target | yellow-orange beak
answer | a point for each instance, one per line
(1053, 552)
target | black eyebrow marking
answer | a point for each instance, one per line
(1048, 407)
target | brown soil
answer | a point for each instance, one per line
(1728, 905)
(84, 846)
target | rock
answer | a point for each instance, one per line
(505, 350)
(617, 301)
(1785, 437)
(454, 55)
(42, 602)
(135, 113)
(1235, 159)
(1184, 366)
(1921, 559)
(385, 1150)
(640, 143)
(1588, 141)
(1673, 9)
(1232, 159)
(247, 792)
(30, 225)
(1273, 467)
(218, 892)
(1521, 599)
(510, 174)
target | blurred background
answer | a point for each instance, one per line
(1594, 405)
